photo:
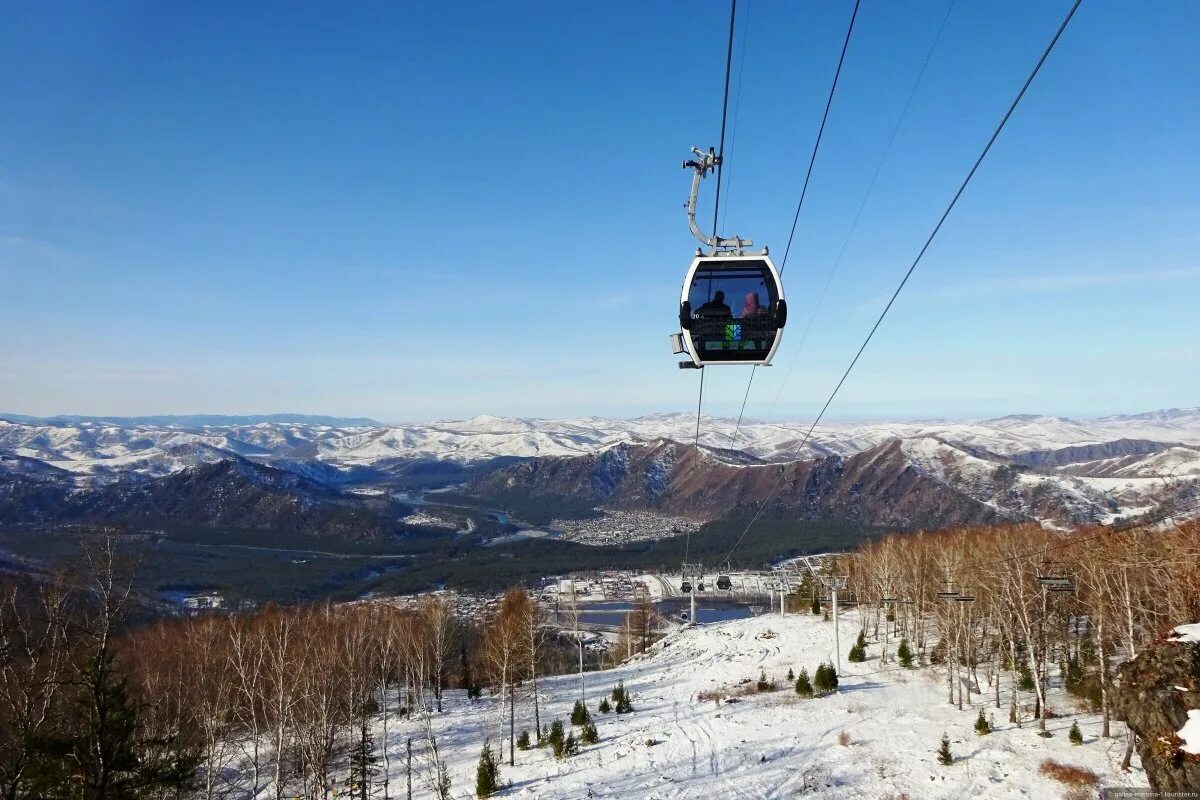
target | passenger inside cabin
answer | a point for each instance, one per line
(751, 307)
(715, 308)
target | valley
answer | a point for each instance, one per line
(299, 509)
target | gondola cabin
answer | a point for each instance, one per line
(724, 584)
(731, 310)
(686, 587)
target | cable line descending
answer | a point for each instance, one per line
(820, 133)
(737, 105)
(804, 191)
(709, 330)
(716, 211)
(857, 216)
(924, 248)
(724, 114)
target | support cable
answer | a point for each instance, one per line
(820, 133)
(737, 107)
(716, 212)
(962, 187)
(803, 190)
(858, 214)
(724, 115)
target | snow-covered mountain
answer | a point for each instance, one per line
(1100, 468)
(80, 445)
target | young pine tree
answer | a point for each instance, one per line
(364, 764)
(791, 676)
(944, 756)
(826, 679)
(819, 679)
(590, 735)
(803, 685)
(570, 747)
(487, 774)
(982, 726)
(858, 654)
(579, 714)
(604, 706)
(523, 741)
(555, 737)
(1076, 735)
(621, 695)
(904, 654)
(1024, 677)
(816, 605)
(763, 684)
(442, 782)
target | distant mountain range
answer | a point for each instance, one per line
(914, 474)
(197, 420)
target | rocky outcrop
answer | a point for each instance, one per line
(1154, 693)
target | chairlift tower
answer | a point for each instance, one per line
(783, 582)
(834, 583)
(690, 571)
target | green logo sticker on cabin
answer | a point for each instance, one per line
(733, 333)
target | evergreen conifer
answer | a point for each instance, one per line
(1024, 677)
(487, 774)
(982, 726)
(825, 679)
(904, 654)
(944, 756)
(555, 737)
(858, 652)
(1076, 735)
(623, 701)
(363, 761)
(803, 685)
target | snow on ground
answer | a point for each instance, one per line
(771, 745)
(1190, 733)
(1187, 633)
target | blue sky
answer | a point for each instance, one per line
(430, 210)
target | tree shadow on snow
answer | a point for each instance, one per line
(858, 687)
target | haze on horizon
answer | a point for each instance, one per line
(394, 213)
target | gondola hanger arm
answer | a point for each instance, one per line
(701, 166)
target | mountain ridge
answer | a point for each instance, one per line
(1053, 469)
